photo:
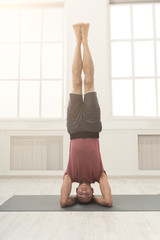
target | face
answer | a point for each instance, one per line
(84, 192)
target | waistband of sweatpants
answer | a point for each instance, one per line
(84, 135)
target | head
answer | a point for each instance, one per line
(84, 193)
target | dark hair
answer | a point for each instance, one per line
(85, 203)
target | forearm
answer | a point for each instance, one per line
(101, 201)
(70, 201)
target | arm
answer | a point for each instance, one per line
(65, 200)
(101, 201)
(106, 199)
(70, 201)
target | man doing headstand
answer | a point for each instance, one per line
(84, 124)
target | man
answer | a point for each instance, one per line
(84, 124)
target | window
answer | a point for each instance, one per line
(31, 61)
(135, 59)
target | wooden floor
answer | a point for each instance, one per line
(78, 225)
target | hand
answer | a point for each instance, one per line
(74, 198)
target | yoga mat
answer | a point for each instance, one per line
(51, 203)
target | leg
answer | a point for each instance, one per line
(88, 66)
(92, 112)
(75, 102)
(77, 62)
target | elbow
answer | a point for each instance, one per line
(63, 205)
(108, 203)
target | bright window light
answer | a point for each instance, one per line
(144, 58)
(158, 58)
(145, 97)
(121, 59)
(8, 102)
(9, 24)
(9, 61)
(52, 99)
(122, 97)
(52, 60)
(142, 21)
(157, 18)
(135, 59)
(120, 22)
(31, 25)
(53, 25)
(31, 62)
(29, 106)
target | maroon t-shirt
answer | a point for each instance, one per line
(84, 160)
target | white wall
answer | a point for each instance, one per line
(119, 138)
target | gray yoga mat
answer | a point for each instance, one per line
(51, 203)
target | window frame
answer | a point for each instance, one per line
(41, 5)
(131, 40)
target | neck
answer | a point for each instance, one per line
(84, 180)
